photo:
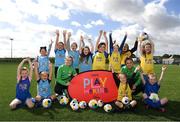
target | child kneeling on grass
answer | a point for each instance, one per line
(24, 77)
(151, 88)
(44, 87)
(125, 91)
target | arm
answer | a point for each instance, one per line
(142, 78)
(68, 42)
(91, 46)
(36, 71)
(31, 69)
(122, 44)
(152, 46)
(162, 73)
(49, 49)
(19, 69)
(57, 39)
(110, 43)
(135, 46)
(82, 44)
(98, 40)
(50, 71)
(106, 41)
(64, 37)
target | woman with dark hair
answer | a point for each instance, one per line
(85, 60)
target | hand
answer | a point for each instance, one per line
(64, 32)
(101, 32)
(104, 33)
(35, 64)
(134, 88)
(51, 41)
(164, 67)
(138, 68)
(28, 59)
(69, 34)
(68, 83)
(125, 33)
(81, 38)
(57, 32)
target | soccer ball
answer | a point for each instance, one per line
(125, 100)
(100, 103)
(46, 103)
(93, 104)
(143, 36)
(154, 97)
(74, 105)
(82, 104)
(107, 108)
(63, 100)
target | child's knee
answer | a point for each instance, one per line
(133, 103)
(38, 98)
(29, 103)
(119, 104)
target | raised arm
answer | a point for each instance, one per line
(91, 45)
(68, 41)
(36, 71)
(81, 44)
(98, 40)
(106, 41)
(135, 46)
(164, 67)
(19, 69)
(49, 48)
(64, 38)
(152, 46)
(31, 69)
(122, 43)
(110, 43)
(57, 40)
(50, 71)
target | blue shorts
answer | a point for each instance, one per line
(152, 104)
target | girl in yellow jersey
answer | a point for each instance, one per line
(100, 56)
(146, 51)
(115, 54)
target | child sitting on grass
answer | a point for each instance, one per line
(151, 88)
(44, 87)
(24, 77)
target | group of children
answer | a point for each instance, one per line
(130, 79)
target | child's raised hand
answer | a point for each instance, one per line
(164, 67)
(64, 32)
(57, 32)
(69, 34)
(81, 38)
(104, 33)
(101, 32)
(138, 68)
(35, 64)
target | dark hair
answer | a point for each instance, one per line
(127, 46)
(43, 48)
(82, 55)
(101, 44)
(61, 43)
(75, 44)
(128, 59)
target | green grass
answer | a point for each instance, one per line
(169, 88)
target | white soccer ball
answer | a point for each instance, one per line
(74, 105)
(100, 103)
(125, 100)
(46, 103)
(154, 97)
(107, 108)
(82, 104)
(93, 104)
(63, 100)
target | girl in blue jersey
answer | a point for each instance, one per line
(59, 51)
(85, 60)
(43, 59)
(43, 80)
(151, 88)
(73, 52)
(24, 77)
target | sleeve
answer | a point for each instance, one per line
(120, 95)
(138, 79)
(74, 72)
(129, 93)
(59, 78)
(110, 43)
(122, 44)
(135, 47)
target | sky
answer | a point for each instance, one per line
(32, 23)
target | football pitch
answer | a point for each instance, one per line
(170, 86)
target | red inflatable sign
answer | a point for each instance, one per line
(93, 85)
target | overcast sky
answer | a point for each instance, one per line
(32, 23)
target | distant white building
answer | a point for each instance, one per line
(168, 60)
